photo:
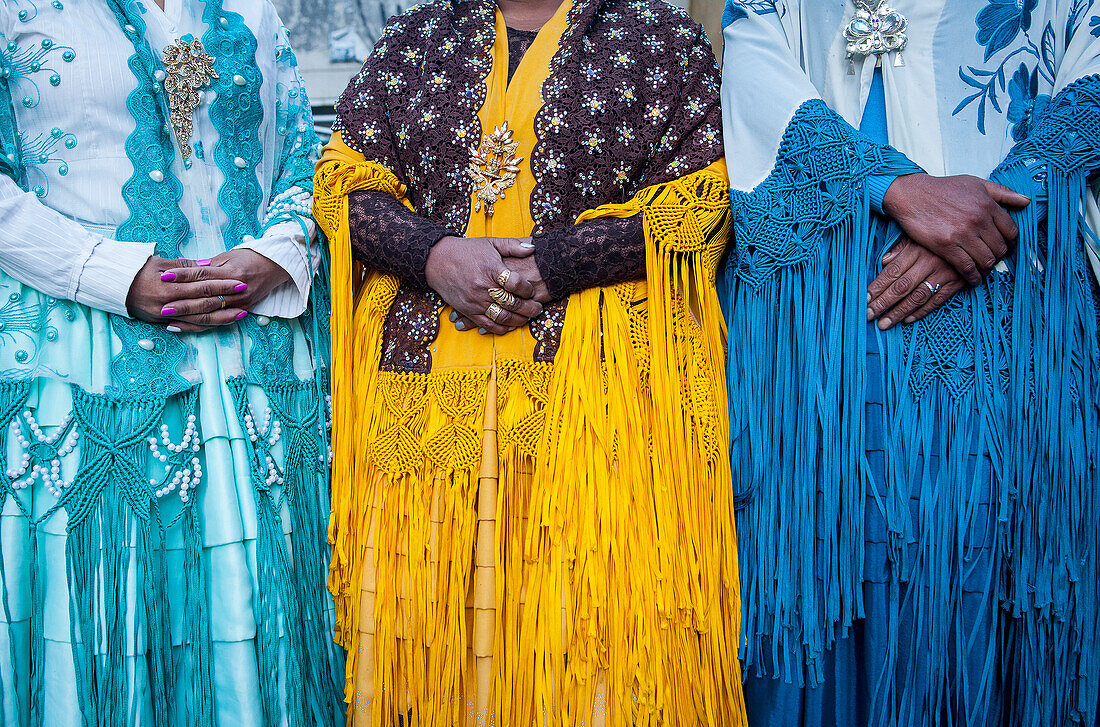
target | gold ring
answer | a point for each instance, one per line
(502, 279)
(222, 299)
(493, 312)
(502, 296)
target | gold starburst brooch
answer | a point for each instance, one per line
(493, 167)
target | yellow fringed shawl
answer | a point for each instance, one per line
(614, 575)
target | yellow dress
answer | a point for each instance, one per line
(520, 543)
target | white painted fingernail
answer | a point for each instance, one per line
(527, 245)
(173, 329)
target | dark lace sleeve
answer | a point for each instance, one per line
(389, 237)
(594, 253)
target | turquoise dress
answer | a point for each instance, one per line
(164, 510)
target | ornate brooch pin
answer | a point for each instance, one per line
(189, 69)
(493, 167)
(876, 29)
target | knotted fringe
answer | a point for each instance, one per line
(1052, 539)
(12, 396)
(356, 330)
(991, 426)
(291, 603)
(612, 568)
(110, 518)
(793, 430)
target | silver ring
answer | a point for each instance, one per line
(934, 288)
(222, 299)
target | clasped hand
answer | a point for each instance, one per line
(956, 231)
(463, 270)
(191, 296)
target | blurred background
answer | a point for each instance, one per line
(332, 38)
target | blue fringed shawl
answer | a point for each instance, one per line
(1008, 369)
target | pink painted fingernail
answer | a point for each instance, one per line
(910, 319)
(885, 323)
(240, 287)
(870, 315)
(202, 263)
(242, 314)
(168, 311)
(168, 277)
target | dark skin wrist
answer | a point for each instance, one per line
(463, 271)
(961, 219)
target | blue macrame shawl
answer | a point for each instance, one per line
(1008, 369)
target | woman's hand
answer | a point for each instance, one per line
(464, 269)
(528, 270)
(961, 219)
(912, 284)
(194, 307)
(156, 289)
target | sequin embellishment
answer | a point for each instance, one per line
(189, 69)
(493, 167)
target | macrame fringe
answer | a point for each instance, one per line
(792, 429)
(991, 402)
(587, 522)
(1052, 539)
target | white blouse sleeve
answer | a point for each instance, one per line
(49, 252)
(293, 247)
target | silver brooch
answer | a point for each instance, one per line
(876, 29)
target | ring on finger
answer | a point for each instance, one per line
(222, 299)
(493, 312)
(502, 278)
(933, 288)
(506, 299)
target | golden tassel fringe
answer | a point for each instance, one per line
(613, 573)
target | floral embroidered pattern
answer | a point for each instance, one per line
(416, 114)
(410, 329)
(628, 123)
(1001, 21)
(1000, 24)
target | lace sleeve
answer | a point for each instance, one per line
(389, 237)
(595, 253)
